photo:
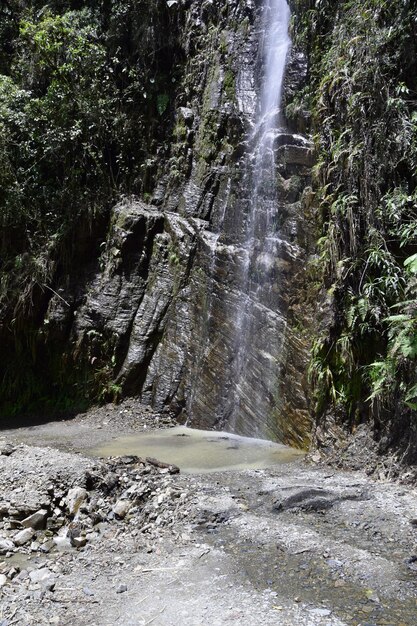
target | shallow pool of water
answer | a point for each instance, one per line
(196, 451)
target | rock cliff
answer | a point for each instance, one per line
(152, 309)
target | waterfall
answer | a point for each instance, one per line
(237, 371)
(260, 326)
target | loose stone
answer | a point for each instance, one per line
(37, 520)
(24, 536)
(40, 575)
(6, 545)
(74, 499)
(121, 508)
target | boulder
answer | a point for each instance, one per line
(36, 520)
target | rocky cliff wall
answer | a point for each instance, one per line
(153, 313)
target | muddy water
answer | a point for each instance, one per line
(197, 451)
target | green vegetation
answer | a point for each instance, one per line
(85, 103)
(362, 92)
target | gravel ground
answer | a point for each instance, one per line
(130, 542)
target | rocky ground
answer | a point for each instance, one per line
(130, 542)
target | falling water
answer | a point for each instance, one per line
(237, 372)
(260, 327)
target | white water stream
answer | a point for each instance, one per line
(256, 367)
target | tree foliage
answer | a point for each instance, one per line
(85, 101)
(363, 94)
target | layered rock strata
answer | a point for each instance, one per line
(155, 315)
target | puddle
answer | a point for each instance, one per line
(200, 451)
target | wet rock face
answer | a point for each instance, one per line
(158, 316)
(263, 391)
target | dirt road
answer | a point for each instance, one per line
(293, 545)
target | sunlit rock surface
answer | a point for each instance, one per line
(179, 309)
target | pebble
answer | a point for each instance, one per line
(121, 589)
(372, 596)
(121, 508)
(3, 580)
(6, 449)
(79, 542)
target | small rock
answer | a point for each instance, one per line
(74, 499)
(3, 580)
(47, 546)
(412, 563)
(320, 612)
(87, 591)
(6, 545)
(6, 449)
(306, 499)
(24, 536)
(110, 481)
(121, 508)
(79, 542)
(372, 596)
(316, 457)
(12, 573)
(40, 575)
(4, 509)
(76, 535)
(37, 520)
(121, 589)
(22, 575)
